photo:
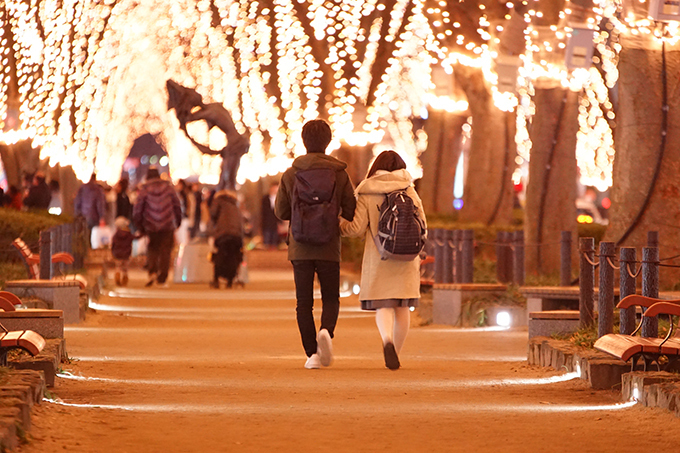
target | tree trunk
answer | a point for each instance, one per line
(18, 159)
(551, 192)
(644, 166)
(440, 159)
(357, 158)
(488, 196)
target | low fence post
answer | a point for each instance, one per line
(79, 243)
(437, 234)
(501, 257)
(627, 259)
(447, 238)
(586, 282)
(605, 300)
(650, 287)
(45, 255)
(652, 239)
(458, 256)
(565, 258)
(468, 253)
(518, 271)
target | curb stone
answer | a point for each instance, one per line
(18, 393)
(598, 368)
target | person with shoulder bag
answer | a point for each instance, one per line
(314, 192)
(390, 215)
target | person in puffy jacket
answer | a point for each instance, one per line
(157, 213)
(390, 287)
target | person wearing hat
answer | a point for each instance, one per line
(157, 214)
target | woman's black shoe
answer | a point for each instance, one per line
(391, 358)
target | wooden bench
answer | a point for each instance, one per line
(32, 262)
(649, 350)
(27, 340)
(427, 271)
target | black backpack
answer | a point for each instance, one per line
(401, 231)
(314, 208)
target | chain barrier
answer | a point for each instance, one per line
(636, 273)
(592, 263)
(609, 260)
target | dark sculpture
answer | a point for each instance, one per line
(189, 106)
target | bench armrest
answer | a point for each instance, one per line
(642, 301)
(63, 257)
(662, 308)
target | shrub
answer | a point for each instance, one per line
(26, 225)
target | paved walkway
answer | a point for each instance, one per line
(190, 369)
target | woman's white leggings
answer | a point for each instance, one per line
(393, 324)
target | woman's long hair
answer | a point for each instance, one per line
(388, 161)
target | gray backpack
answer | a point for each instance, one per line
(401, 232)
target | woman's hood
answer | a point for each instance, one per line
(385, 182)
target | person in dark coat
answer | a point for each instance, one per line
(227, 229)
(157, 213)
(90, 203)
(123, 204)
(121, 249)
(309, 259)
(270, 223)
(39, 195)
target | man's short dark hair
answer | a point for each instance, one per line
(316, 135)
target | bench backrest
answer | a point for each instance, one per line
(28, 258)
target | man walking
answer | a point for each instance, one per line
(90, 203)
(313, 193)
(157, 213)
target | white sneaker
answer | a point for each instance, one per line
(313, 362)
(324, 347)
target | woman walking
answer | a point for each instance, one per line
(390, 287)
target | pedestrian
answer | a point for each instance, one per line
(90, 203)
(13, 199)
(227, 231)
(313, 192)
(123, 203)
(121, 249)
(55, 206)
(157, 213)
(270, 223)
(195, 212)
(388, 286)
(39, 195)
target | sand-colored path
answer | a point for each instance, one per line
(188, 369)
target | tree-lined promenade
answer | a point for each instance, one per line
(188, 369)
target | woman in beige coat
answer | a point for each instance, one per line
(389, 287)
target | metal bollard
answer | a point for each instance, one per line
(586, 282)
(565, 258)
(468, 252)
(650, 287)
(458, 256)
(627, 287)
(448, 256)
(518, 270)
(45, 255)
(605, 300)
(437, 234)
